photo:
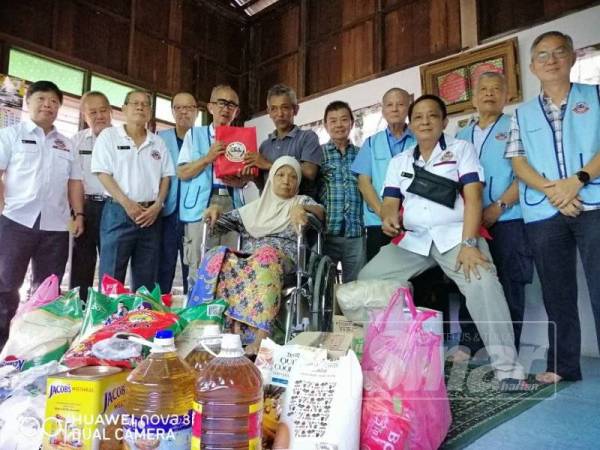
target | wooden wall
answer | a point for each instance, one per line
(502, 16)
(163, 45)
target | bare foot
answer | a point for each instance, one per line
(459, 356)
(548, 377)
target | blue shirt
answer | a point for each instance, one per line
(362, 163)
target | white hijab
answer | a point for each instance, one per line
(270, 214)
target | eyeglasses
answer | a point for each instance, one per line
(557, 53)
(183, 108)
(222, 103)
(143, 105)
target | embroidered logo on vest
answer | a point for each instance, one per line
(502, 136)
(447, 156)
(581, 108)
(155, 154)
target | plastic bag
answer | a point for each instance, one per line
(357, 298)
(46, 292)
(193, 320)
(405, 404)
(21, 421)
(44, 333)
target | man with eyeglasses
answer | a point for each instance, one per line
(96, 111)
(288, 139)
(554, 148)
(135, 167)
(185, 112)
(200, 188)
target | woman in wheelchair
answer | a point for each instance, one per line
(268, 227)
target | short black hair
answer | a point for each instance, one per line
(335, 106)
(422, 98)
(44, 86)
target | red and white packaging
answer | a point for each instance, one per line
(238, 141)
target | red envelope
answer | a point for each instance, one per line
(237, 141)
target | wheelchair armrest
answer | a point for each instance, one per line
(314, 223)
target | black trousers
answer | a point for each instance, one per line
(48, 252)
(86, 249)
(375, 240)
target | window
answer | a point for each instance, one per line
(33, 68)
(587, 67)
(115, 92)
(164, 115)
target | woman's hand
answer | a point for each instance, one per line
(469, 258)
(212, 214)
(298, 217)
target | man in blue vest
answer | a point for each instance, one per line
(372, 161)
(554, 148)
(185, 112)
(200, 187)
(501, 211)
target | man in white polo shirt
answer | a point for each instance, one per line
(38, 181)
(134, 166)
(95, 109)
(444, 229)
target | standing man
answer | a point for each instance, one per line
(39, 179)
(200, 188)
(134, 167)
(95, 109)
(339, 193)
(185, 112)
(288, 139)
(554, 148)
(372, 162)
(439, 234)
(501, 210)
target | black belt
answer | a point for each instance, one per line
(95, 198)
(142, 204)
(224, 192)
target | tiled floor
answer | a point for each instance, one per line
(569, 420)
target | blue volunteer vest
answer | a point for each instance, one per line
(581, 142)
(195, 193)
(170, 139)
(381, 155)
(497, 169)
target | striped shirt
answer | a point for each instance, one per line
(339, 191)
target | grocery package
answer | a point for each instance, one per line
(43, 333)
(105, 347)
(207, 348)
(83, 408)
(405, 404)
(193, 321)
(357, 298)
(46, 292)
(159, 395)
(336, 344)
(229, 401)
(113, 288)
(322, 404)
(237, 141)
(346, 326)
(101, 309)
(23, 411)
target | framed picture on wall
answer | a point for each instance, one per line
(453, 79)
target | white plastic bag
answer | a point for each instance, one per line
(358, 297)
(21, 419)
(322, 405)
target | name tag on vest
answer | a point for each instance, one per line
(85, 152)
(123, 147)
(28, 141)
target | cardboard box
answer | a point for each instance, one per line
(336, 344)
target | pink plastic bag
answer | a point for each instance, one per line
(46, 292)
(405, 404)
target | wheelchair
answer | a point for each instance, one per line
(308, 293)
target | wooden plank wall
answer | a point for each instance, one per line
(162, 45)
(502, 16)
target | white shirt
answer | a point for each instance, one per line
(83, 143)
(185, 154)
(137, 171)
(428, 222)
(37, 169)
(479, 136)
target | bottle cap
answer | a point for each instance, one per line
(211, 331)
(231, 342)
(164, 341)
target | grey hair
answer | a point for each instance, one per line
(282, 89)
(138, 91)
(497, 75)
(396, 89)
(89, 94)
(220, 87)
(565, 37)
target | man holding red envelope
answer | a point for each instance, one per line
(209, 171)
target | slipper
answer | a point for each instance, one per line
(548, 378)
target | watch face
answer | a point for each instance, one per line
(583, 176)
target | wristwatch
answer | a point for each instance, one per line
(583, 176)
(469, 242)
(503, 206)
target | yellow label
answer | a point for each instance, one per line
(198, 407)
(254, 444)
(255, 407)
(195, 443)
(82, 412)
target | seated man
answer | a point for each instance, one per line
(438, 234)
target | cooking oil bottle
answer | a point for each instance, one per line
(159, 395)
(228, 405)
(208, 347)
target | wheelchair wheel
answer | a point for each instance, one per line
(323, 294)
